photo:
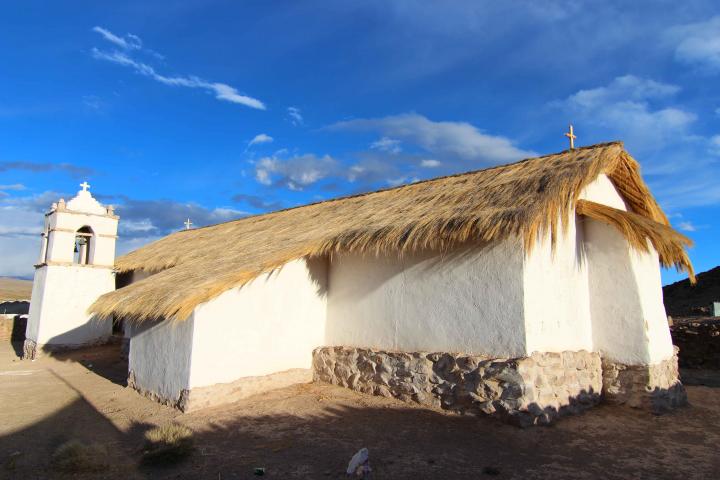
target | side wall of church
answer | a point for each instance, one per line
(557, 311)
(629, 324)
(270, 325)
(469, 300)
(159, 358)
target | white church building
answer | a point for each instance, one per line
(528, 291)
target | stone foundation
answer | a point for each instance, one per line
(525, 391)
(654, 387)
(30, 349)
(222, 393)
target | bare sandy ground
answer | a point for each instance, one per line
(311, 431)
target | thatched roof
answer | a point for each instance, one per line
(14, 289)
(520, 199)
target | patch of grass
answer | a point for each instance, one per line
(167, 444)
(74, 456)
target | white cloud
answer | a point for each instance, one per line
(260, 138)
(221, 90)
(714, 145)
(129, 42)
(386, 144)
(144, 225)
(20, 229)
(687, 227)
(296, 117)
(698, 43)
(628, 88)
(296, 172)
(625, 107)
(13, 186)
(453, 139)
(430, 163)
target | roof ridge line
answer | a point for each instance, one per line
(362, 194)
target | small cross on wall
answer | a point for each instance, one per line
(188, 223)
(85, 186)
(571, 136)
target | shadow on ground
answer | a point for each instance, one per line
(311, 431)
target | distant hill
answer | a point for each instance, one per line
(683, 299)
(14, 289)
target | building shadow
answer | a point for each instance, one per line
(404, 442)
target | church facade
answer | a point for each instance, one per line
(526, 291)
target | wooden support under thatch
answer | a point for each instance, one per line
(522, 199)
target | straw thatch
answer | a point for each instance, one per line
(15, 290)
(521, 199)
(638, 230)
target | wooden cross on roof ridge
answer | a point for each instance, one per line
(571, 136)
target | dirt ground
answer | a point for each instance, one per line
(311, 431)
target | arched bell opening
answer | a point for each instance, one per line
(84, 239)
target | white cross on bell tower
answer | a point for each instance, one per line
(85, 186)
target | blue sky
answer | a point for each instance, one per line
(214, 110)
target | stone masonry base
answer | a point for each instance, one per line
(221, 393)
(526, 391)
(653, 387)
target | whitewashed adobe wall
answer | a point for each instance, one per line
(629, 321)
(470, 300)
(270, 325)
(556, 298)
(556, 289)
(160, 355)
(60, 299)
(628, 317)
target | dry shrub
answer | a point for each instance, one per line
(74, 456)
(167, 444)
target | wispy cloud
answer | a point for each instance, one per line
(258, 202)
(630, 106)
(221, 91)
(296, 172)
(430, 163)
(260, 138)
(455, 140)
(386, 144)
(73, 170)
(13, 186)
(295, 116)
(687, 226)
(129, 42)
(698, 43)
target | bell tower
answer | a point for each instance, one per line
(75, 267)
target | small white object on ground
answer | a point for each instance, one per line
(360, 464)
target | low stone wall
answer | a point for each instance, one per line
(525, 391)
(699, 342)
(12, 327)
(222, 393)
(655, 387)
